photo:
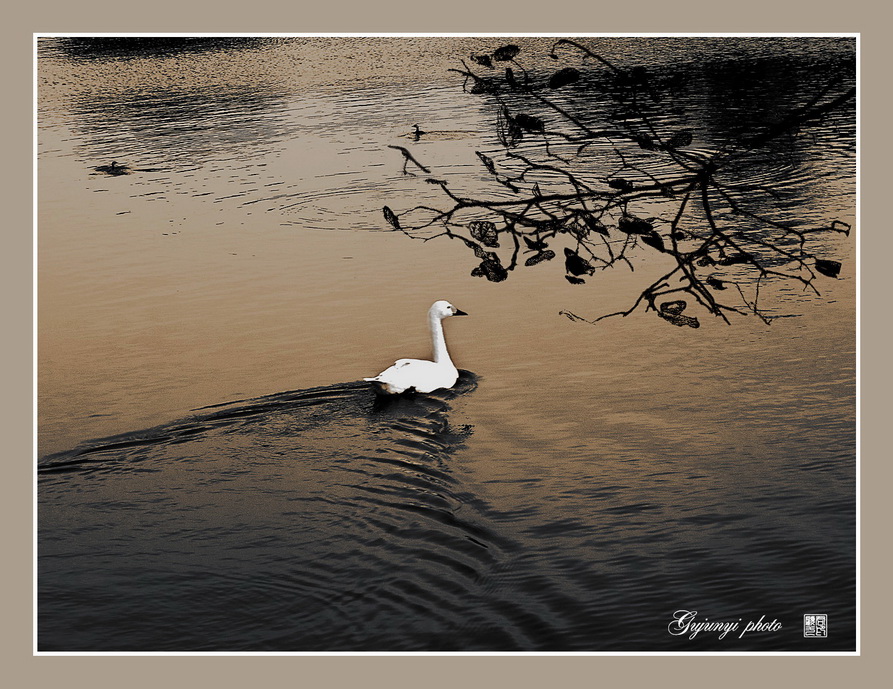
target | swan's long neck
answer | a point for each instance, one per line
(440, 350)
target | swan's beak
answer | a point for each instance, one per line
(460, 312)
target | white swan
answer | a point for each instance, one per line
(417, 374)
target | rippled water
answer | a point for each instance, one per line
(577, 487)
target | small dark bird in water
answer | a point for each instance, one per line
(113, 169)
(418, 132)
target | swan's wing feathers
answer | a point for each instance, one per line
(397, 378)
(414, 374)
(400, 363)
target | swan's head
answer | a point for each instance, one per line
(443, 309)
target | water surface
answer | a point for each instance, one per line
(212, 476)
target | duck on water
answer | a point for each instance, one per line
(114, 169)
(419, 375)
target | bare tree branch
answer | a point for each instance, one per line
(554, 196)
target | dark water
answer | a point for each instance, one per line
(324, 520)
(572, 494)
(309, 520)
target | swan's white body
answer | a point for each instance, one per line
(418, 374)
